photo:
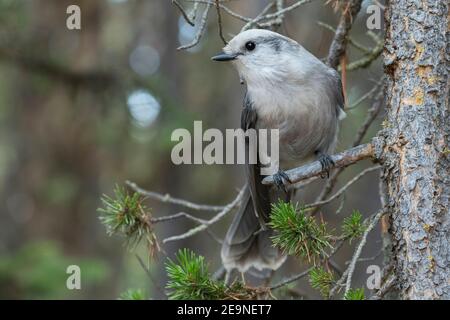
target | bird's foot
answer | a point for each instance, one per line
(280, 178)
(327, 164)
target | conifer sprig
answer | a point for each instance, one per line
(353, 226)
(189, 279)
(125, 214)
(321, 280)
(355, 294)
(298, 234)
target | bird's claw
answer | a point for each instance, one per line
(327, 164)
(279, 178)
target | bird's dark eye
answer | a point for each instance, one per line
(250, 46)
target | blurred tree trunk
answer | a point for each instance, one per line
(416, 146)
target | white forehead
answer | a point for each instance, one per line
(252, 34)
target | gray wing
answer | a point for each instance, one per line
(338, 93)
(259, 192)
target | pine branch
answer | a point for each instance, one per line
(190, 279)
(355, 294)
(321, 280)
(298, 234)
(126, 215)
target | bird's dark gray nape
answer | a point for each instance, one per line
(224, 57)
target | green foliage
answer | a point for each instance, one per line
(127, 215)
(38, 271)
(189, 279)
(321, 280)
(298, 234)
(353, 226)
(133, 294)
(355, 294)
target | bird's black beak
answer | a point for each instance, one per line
(224, 57)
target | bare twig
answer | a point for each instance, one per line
(339, 44)
(200, 31)
(365, 96)
(208, 223)
(167, 198)
(253, 21)
(365, 61)
(350, 40)
(356, 255)
(302, 274)
(274, 15)
(177, 216)
(387, 285)
(291, 279)
(342, 159)
(150, 276)
(219, 22)
(224, 8)
(193, 14)
(344, 188)
(183, 12)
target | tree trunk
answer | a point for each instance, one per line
(415, 146)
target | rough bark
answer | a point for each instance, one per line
(415, 146)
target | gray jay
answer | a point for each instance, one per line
(291, 90)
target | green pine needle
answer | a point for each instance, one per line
(189, 279)
(298, 234)
(321, 280)
(125, 214)
(355, 294)
(132, 294)
(353, 226)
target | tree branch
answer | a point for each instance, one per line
(167, 198)
(344, 188)
(342, 159)
(339, 44)
(208, 223)
(183, 12)
(200, 31)
(357, 254)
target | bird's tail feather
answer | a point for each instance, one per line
(246, 245)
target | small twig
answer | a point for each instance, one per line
(341, 205)
(193, 13)
(387, 285)
(183, 12)
(339, 44)
(150, 276)
(344, 188)
(167, 198)
(253, 21)
(219, 22)
(365, 96)
(366, 259)
(357, 254)
(213, 220)
(224, 8)
(342, 159)
(366, 60)
(351, 41)
(306, 272)
(177, 216)
(200, 31)
(291, 279)
(274, 15)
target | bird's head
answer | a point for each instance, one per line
(262, 55)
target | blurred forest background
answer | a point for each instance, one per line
(84, 110)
